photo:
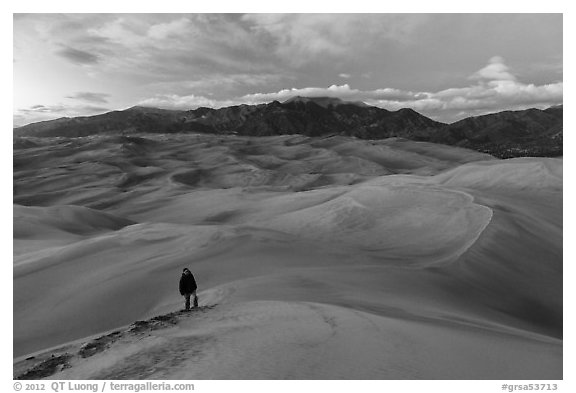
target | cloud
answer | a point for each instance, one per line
(172, 47)
(90, 97)
(120, 32)
(59, 108)
(341, 91)
(174, 101)
(40, 112)
(161, 31)
(78, 56)
(44, 109)
(220, 81)
(495, 70)
(454, 104)
(345, 76)
(301, 38)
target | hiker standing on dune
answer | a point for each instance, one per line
(188, 287)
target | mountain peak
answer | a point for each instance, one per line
(324, 101)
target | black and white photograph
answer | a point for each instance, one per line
(288, 196)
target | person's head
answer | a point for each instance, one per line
(186, 271)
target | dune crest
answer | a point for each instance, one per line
(394, 220)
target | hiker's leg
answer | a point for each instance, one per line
(187, 297)
(195, 299)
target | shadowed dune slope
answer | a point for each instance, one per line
(391, 253)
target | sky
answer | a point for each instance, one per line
(445, 66)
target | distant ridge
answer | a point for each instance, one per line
(311, 116)
(530, 132)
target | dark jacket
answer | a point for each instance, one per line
(187, 284)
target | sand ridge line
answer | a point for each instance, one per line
(45, 364)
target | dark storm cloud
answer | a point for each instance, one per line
(90, 97)
(78, 56)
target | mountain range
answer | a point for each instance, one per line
(530, 132)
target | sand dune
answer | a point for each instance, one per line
(36, 227)
(300, 340)
(399, 253)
